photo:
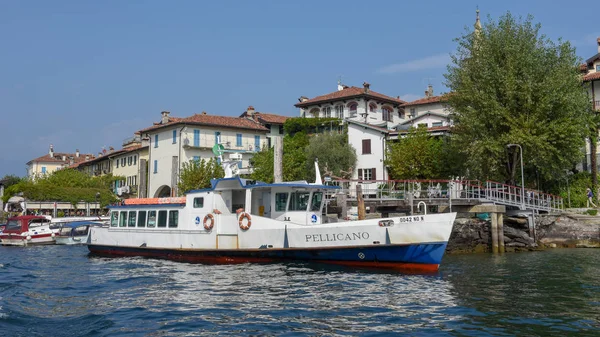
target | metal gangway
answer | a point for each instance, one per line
(439, 189)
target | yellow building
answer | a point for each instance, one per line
(53, 161)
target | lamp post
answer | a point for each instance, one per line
(522, 176)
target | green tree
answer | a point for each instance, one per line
(197, 174)
(66, 185)
(262, 165)
(336, 157)
(417, 156)
(10, 180)
(512, 85)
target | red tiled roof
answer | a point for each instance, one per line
(57, 158)
(210, 120)
(426, 100)
(266, 118)
(592, 76)
(349, 92)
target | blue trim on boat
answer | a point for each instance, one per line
(244, 184)
(426, 253)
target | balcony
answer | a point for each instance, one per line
(247, 146)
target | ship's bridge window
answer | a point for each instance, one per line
(173, 218)
(123, 219)
(280, 202)
(151, 218)
(141, 219)
(162, 219)
(114, 219)
(315, 204)
(299, 201)
(199, 202)
(131, 221)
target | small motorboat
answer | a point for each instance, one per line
(26, 230)
(76, 232)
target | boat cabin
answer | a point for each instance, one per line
(298, 202)
(25, 223)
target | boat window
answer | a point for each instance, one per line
(199, 202)
(13, 225)
(123, 219)
(37, 222)
(162, 218)
(315, 204)
(280, 202)
(173, 218)
(141, 219)
(114, 219)
(299, 201)
(81, 230)
(131, 221)
(65, 231)
(151, 218)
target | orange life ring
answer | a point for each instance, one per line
(248, 224)
(208, 226)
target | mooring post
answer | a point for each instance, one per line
(361, 202)
(494, 231)
(500, 232)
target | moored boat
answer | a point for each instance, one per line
(26, 230)
(76, 232)
(238, 220)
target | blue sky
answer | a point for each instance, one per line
(88, 74)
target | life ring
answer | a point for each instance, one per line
(246, 216)
(209, 225)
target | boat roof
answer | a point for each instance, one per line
(237, 182)
(75, 224)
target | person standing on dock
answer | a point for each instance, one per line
(590, 196)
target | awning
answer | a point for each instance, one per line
(15, 200)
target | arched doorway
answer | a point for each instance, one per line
(163, 192)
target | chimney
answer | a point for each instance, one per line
(165, 117)
(64, 157)
(598, 42)
(429, 91)
(87, 158)
(51, 151)
(366, 86)
(77, 153)
(111, 149)
(71, 161)
(204, 113)
(302, 99)
(250, 111)
(340, 86)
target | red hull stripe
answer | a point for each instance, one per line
(19, 236)
(399, 266)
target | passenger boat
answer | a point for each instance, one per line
(76, 232)
(27, 230)
(238, 220)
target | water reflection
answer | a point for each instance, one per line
(533, 294)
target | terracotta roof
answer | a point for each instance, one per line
(210, 120)
(57, 158)
(265, 118)
(583, 68)
(426, 100)
(592, 76)
(349, 92)
(592, 59)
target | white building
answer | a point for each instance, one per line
(271, 121)
(174, 141)
(357, 104)
(591, 76)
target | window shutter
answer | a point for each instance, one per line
(360, 176)
(366, 146)
(373, 175)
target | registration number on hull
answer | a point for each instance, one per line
(415, 218)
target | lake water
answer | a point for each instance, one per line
(61, 291)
